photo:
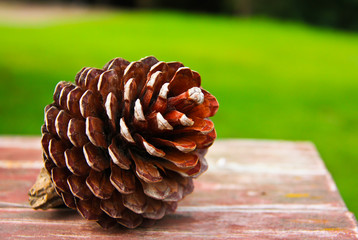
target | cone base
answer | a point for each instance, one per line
(43, 194)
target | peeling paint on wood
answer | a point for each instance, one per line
(252, 190)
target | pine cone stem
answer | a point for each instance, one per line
(43, 194)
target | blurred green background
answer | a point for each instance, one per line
(273, 79)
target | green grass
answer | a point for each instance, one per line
(273, 80)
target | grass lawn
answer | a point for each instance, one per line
(273, 80)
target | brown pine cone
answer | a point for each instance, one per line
(123, 144)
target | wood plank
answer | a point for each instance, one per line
(187, 223)
(215, 188)
(253, 189)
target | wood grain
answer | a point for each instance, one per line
(253, 189)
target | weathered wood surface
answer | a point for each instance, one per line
(252, 190)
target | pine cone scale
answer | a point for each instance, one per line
(95, 157)
(76, 132)
(68, 199)
(99, 184)
(73, 101)
(89, 209)
(59, 178)
(182, 81)
(145, 170)
(122, 180)
(50, 117)
(63, 95)
(151, 149)
(155, 209)
(113, 206)
(76, 162)
(130, 219)
(78, 187)
(95, 132)
(56, 150)
(136, 201)
(182, 160)
(118, 156)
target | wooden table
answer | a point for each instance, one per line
(253, 189)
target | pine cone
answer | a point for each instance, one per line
(123, 144)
